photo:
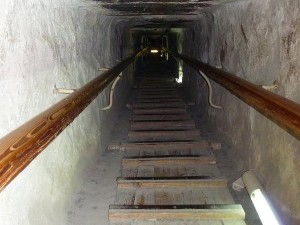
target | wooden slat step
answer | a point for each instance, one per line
(145, 136)
(170, 182)
(144, 96)
(174, 195)
(163, 125)
(164, 146)
(157, 88)
(178, 99)
(167, 160)
(157, 92)
(180, 222)
(172, 171)
(159, 105)
(159, 111)
(165, 117)
(170, 212)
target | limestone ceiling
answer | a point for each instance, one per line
(157, 7)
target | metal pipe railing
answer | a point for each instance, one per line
(284, 112)
(21, 146)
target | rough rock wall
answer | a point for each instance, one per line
(258, 41)
(42, 44)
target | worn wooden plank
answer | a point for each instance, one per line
(180, 222)
(186, 170)
(125, 197)
(160, 111)
(163, 125)
(195, 145)
(147, 96)
(143, 136)
(170, 182)
(148, 212)
(145, 171)
(168, 160)
(159, 105)
(166, 117)
(159, 100)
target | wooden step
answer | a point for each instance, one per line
(165, 117)
(144, 96)
(172, 171)
(163, 125)
(146, 136)
(170, 182)
(174, 195)
(167, 160)
(164, 146)
(159, 105)
(160, 111)
(160, 100)
(171, 212)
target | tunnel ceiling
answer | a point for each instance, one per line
(158, 7)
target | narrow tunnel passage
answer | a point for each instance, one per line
(66, 44)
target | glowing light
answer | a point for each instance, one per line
(154, 51)
(263, 208)
(259, 199)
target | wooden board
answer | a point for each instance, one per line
(143, 136)
(160, 111)
(152, 105)
(170, 182)
(166, 117)
(180, 222)
(163, 125)
(168, 160)
(165, 146)
(147, 96)
(159, 100)
(214, 212)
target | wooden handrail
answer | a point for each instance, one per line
(284, 112)
(21, 146)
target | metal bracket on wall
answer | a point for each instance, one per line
(62, 90)
(271, 87)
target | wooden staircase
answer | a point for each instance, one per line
(169, 173)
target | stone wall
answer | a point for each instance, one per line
(258, 41)
(42, 44)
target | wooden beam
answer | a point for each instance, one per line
(166, 117)
(145, 136)
(159, 105)
(170, 182)
(178, 99)
(164, 146)
(160, 111)
(167, 160)
(163, 125)
(171, 212)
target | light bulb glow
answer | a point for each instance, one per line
(263, 208)
(154, 51)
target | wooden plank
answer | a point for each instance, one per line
(160, 111)
(186, 170)
(143, 136)
(153, 100)
(163, 125)
(195, 145)
(168, 160)
(159, 105)
(180, 222)
(166, 117)
(145, 171)
(171, 212)
(170, 182)
(144, 96)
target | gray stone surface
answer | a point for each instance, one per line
(42, 44)
(258, 41)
